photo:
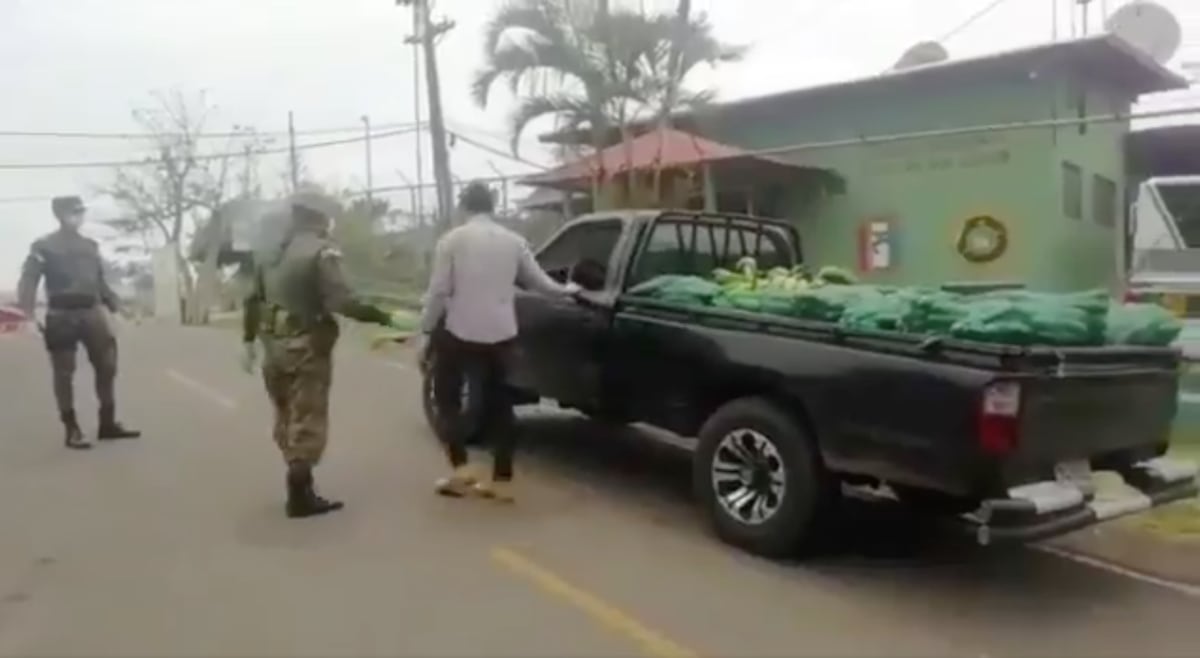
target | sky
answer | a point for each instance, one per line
(84, 65)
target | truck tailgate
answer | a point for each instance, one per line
(1095, 415)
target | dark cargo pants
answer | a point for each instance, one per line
(64, 331)
(456, 360)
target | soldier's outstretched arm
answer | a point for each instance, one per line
(31, 276)
(336, 293)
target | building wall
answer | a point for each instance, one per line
(928, 187)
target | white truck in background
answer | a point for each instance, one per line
(1158, 250)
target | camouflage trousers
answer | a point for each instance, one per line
(297, 371)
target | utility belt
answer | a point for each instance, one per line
(278, 322)
(72, 302)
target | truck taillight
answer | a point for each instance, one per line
(999, 416)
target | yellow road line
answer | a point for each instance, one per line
(652, 643)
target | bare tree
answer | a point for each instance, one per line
(181, 183)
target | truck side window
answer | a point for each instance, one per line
(672, 249)
(594, 241)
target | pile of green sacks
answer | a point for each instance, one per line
(1010, 317)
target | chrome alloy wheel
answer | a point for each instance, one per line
(748, 476)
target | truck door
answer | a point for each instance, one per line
(656, 375)
(559, 350)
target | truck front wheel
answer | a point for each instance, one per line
(760, 479)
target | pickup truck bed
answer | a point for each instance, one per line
(897, 409)
(786, 412)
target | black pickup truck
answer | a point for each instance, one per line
(787, 414)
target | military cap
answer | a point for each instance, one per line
(317, 202)
(62, 206)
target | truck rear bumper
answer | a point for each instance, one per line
(1041, 510)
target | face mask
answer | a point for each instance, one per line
(74, 220)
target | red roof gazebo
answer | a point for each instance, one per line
(713, 164)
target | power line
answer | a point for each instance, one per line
(69, 134)
(199, 158)
(864, 140)
(971, 21)
(495, 151)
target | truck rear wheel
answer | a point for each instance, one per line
(760, 479)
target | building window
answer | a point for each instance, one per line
(1072, 191)
(1104, 201)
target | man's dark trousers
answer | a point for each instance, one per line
(491, 406)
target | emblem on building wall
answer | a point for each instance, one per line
(982, 239)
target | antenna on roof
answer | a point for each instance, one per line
(922, 54)
(1149, 27)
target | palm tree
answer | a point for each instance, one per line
(594, 69)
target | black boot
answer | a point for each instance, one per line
(111, 430)
(74, 436)
(303, 500)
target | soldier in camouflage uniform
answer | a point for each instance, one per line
(76, 293)
(291, 309)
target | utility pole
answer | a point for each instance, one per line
(427, 34)
(1084, 6)
(370, 182)
(418, 192)
(292, 152)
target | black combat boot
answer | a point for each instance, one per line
(74, 436)
(110, 429)
(303, 500)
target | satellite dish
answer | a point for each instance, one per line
(922, 54)
(1149, 27)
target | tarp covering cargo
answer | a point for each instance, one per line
(1010, 317)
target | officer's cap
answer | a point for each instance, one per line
(65, 205)
(317, 202)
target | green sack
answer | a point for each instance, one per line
(678, 289)
(826, 304)
(741, 300)
(995, 321)
(877, 313)
(1058, 319)
(1142, 324)
(934, 310)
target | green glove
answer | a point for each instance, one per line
(404, 321)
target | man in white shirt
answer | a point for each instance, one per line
(469, 313)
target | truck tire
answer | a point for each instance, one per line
(760, 480)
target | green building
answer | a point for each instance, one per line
(942, 182)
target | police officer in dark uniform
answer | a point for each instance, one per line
(76, 295)
(291, 308)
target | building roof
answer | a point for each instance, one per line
(669, 149)
(1104, 57)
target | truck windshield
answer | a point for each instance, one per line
(697, 246)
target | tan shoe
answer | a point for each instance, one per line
(459, 484)
(497, 490)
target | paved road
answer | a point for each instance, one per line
(176, 546)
